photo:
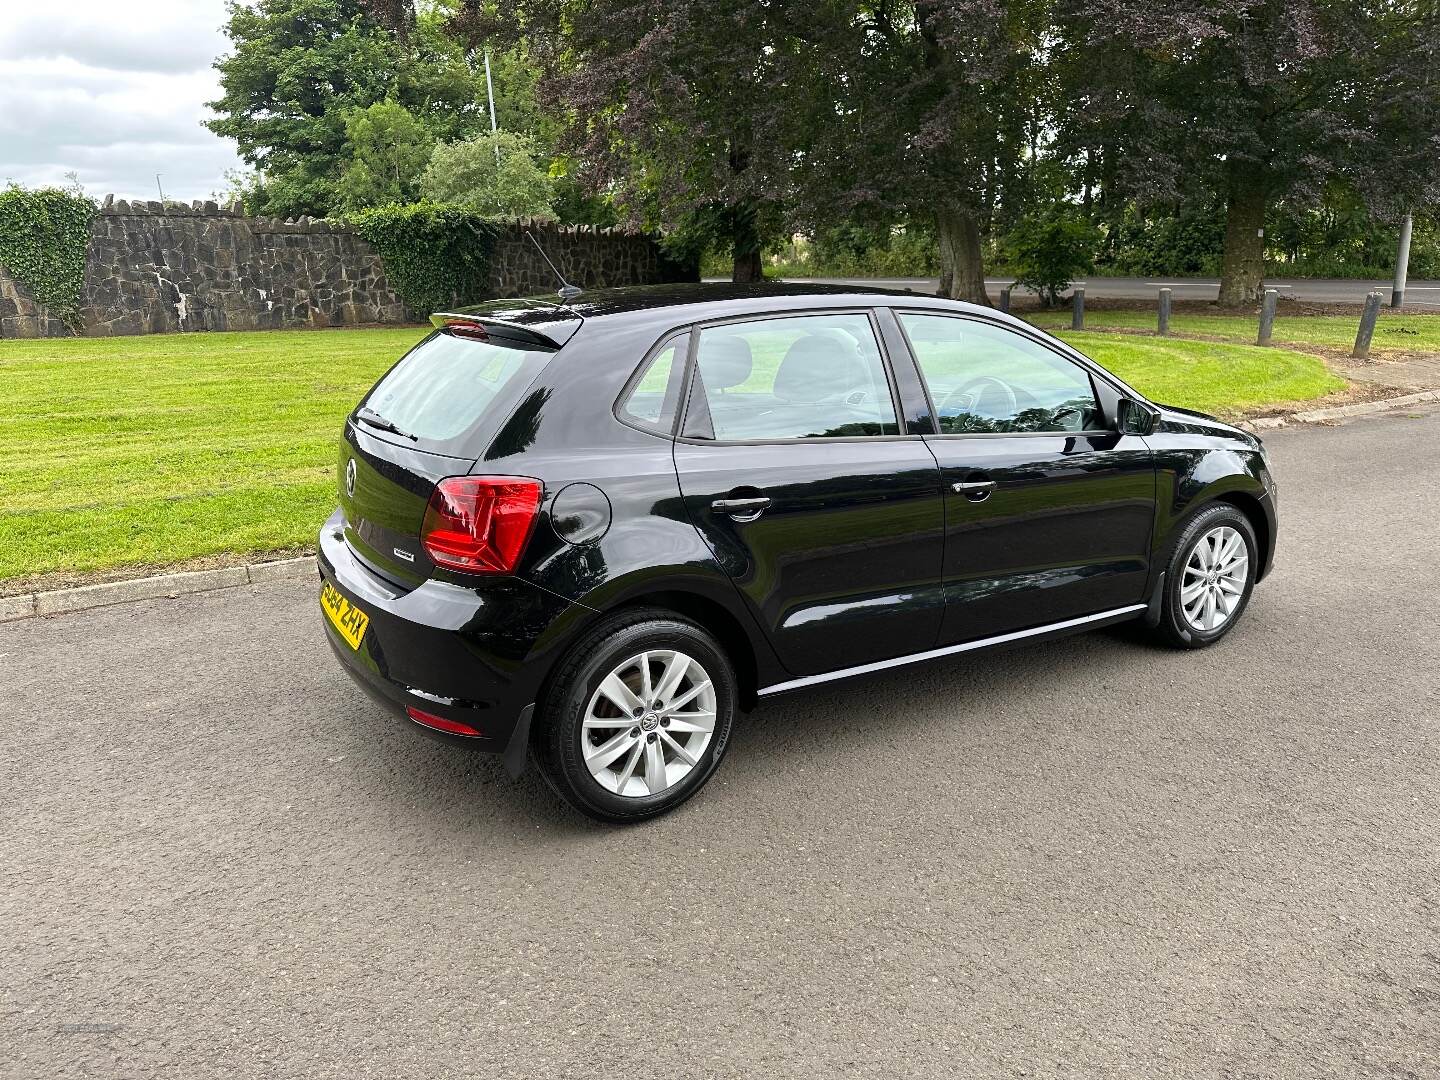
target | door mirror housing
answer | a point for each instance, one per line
(1137, 417)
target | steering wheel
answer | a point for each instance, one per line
(970, 393)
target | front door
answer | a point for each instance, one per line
(826, 518)
(1048, 513)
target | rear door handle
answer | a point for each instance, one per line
(741, 509)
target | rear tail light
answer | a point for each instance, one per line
(439, 723)
(480, 524)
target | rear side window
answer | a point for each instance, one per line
(794, 377)
(453, 386)
(655, 394)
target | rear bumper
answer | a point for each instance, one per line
(477, 656)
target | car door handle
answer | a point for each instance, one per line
(743, 509)
(974, 490)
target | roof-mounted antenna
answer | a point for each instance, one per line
(568, 292)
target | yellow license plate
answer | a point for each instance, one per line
(348, 619)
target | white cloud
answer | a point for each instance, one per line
(116, 100)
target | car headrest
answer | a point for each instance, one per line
(724, 361)
(818, 368)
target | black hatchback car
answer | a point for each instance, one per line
(598, 531)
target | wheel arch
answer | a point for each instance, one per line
(718, 620)
(1254, 512)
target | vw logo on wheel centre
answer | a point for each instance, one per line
(350, 478)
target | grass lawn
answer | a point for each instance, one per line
(1411, 332)
(1211, 376)
(143, 452)
(151, 450)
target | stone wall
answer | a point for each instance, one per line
(153, 268)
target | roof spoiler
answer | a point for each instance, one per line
(551, 333)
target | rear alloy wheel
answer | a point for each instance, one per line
(637, 717)
(649, 723)
(1209, 577)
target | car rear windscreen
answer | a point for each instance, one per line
(455, 388)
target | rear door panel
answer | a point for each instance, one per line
(844, 567)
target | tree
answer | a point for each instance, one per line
(685, 113)
(1253, 102)
(934, 116)
(298, 68)
(468, 174)
(389, 148)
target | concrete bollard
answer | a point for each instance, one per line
(1366, 332)
(1005, 300)
(1077, 318)
(1267, 317)
(1164, 327)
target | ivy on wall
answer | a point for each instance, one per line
(44, 235)
(435, 255)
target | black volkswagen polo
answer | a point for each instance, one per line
(598, 531)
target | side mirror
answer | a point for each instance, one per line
(1137, 417)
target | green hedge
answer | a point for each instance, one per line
(435, 255)
(44, 235)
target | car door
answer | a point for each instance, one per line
(1048, 511)
(827, 518)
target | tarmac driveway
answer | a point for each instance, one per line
(1080, 858)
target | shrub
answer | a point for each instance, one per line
(1047, 249)
(44, 235)
(435, 256)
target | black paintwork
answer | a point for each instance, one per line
(865, 553)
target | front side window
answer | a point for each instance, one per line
(795, 377)
(986, 379)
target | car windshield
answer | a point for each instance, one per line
(452, 383)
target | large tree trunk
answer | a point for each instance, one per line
(1243, 267)
(745, 246)
(962, 262)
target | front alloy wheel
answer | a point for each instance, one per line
(1209, 577)
(1215, 578)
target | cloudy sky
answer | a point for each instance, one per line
(112, 91)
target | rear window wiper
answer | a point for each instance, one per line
(373, 419)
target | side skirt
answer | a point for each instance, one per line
(1052, 629)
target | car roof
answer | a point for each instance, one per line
(701, 301)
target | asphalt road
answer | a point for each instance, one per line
(1087, 858)
(1419, 294)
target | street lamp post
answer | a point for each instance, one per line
(1402, 264)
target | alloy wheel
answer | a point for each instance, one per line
(648, 723)
(1215, 577)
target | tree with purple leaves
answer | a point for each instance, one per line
(940, 110)
(1252, 102)
(686, 113)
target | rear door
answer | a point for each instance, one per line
(429, 417)
(793, 467)
(1048, 511)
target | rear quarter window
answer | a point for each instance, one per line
(453, 391)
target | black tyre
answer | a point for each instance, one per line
(637, 716)
(1208, 578)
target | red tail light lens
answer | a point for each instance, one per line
(480, 524)
(439, 723)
